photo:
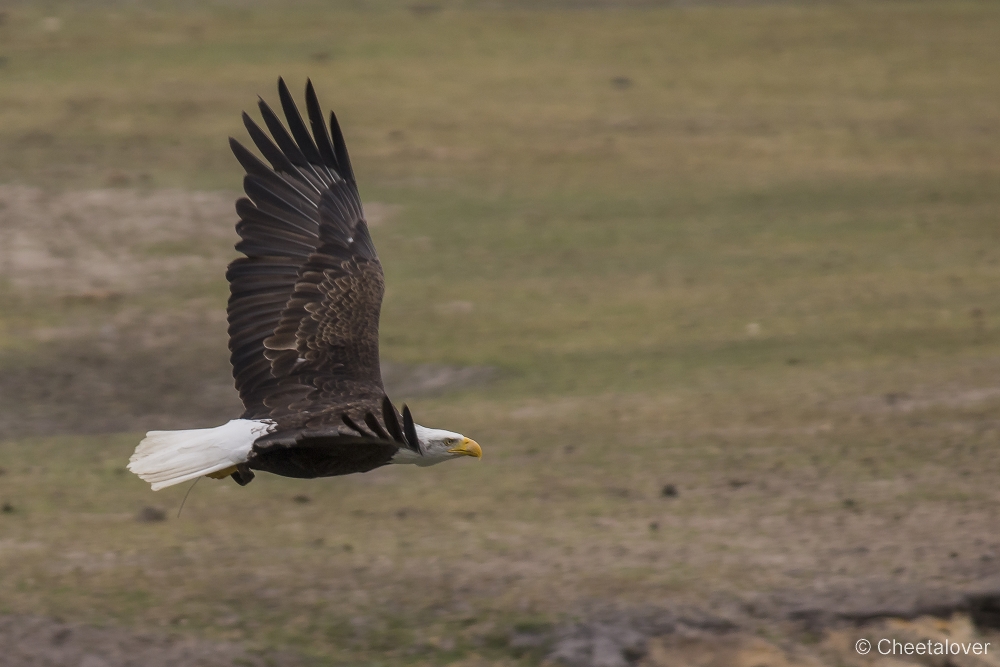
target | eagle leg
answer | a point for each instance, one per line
(243, 475)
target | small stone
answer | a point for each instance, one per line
(151, 514)
(669, 491)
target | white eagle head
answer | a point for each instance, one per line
(438, 445)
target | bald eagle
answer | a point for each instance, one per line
(303, 326)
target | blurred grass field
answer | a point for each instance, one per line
(751, 252)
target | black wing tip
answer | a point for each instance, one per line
(271, 152)
(321, 134)
(351, 425)
(392, 421)
(248, 122)
(303, 138)
(410, 431)
(372, 423)
(249, 161)
(340, 150)
(236, 147)
(324, 146)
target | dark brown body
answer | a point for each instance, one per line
(324, 457)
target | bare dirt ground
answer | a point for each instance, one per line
(104, 244)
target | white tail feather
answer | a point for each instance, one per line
(165, 458)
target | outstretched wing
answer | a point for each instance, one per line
(305, 301)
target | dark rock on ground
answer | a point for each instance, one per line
(619, 639)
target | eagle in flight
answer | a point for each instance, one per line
(303, 326)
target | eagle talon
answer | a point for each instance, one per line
(243, 475)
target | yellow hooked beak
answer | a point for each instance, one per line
(467, 448)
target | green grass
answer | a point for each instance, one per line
(714, 274)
